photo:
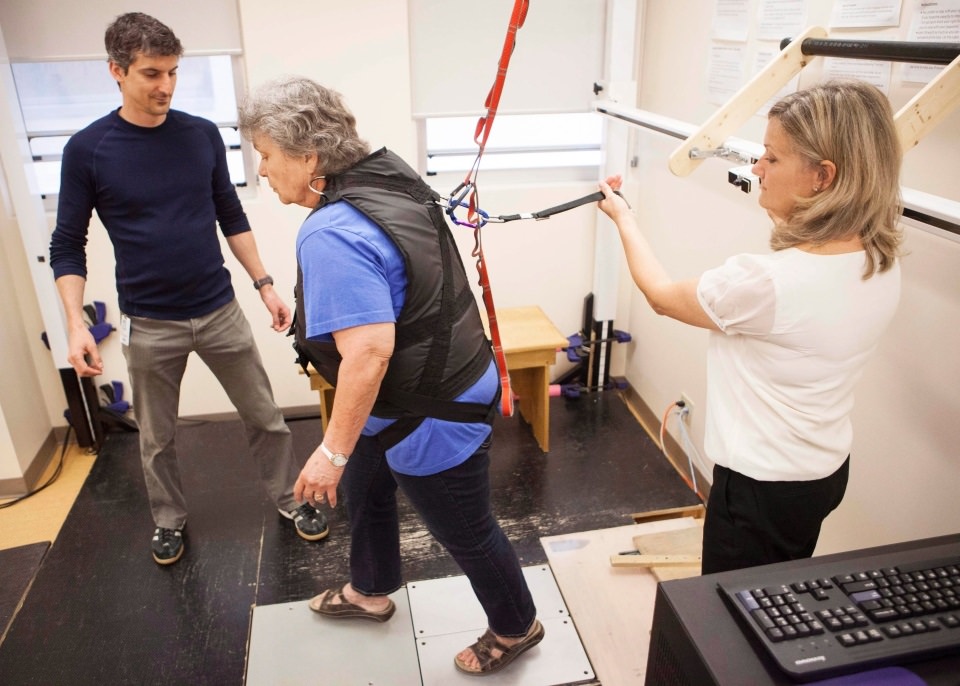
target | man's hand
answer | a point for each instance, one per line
(82, 352)
(278, 309)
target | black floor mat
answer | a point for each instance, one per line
(100, 611)
(18, 567)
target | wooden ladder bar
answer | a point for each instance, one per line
(918, 117)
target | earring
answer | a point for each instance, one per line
(310, 185)
(816, 189)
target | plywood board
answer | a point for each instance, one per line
(611, 607)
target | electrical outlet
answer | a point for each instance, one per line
(687, 405)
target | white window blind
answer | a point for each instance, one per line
(56, 30)
(455, 47)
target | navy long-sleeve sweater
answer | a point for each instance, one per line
(160, 193)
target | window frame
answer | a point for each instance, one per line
(504, 157)
(243, 173)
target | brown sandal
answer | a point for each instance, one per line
(343, 608)
(487, 643)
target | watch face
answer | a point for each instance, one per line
(339, 460)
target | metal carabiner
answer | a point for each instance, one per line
(456, 200)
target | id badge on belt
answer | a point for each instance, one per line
(124, 329)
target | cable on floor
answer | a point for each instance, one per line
(53, 477)
(692, 481)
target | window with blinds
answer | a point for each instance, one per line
(544, 119)
(57, 99)
(63, 83)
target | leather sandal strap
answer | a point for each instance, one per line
(484, 647)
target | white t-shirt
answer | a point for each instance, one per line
(796, 331)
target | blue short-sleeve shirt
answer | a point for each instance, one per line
(354, 274)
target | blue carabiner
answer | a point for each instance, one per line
(454, 202)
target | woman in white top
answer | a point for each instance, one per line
(790, 330)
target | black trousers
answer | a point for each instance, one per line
(750, 522)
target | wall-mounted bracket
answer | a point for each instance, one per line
(743, 178)
(926, 110)
(723, 153)
(744, 104)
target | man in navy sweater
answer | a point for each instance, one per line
(159, 182)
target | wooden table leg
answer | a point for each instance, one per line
(532, 385)
(327, 393)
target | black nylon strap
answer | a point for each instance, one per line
(550, 211)
(408, 403)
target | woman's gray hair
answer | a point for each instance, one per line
(302, 117)
(851, 124)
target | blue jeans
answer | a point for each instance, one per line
(455, 506)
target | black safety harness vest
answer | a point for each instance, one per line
(441, 348)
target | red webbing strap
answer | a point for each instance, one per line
(493, 97)
(482, 132)
(485, 123)
(506, 396)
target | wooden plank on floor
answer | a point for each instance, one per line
(653, 561)
(682, 543)
(696, 511)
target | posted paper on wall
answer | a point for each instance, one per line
(781, 19)
(859, 14)
(725, 74)
(937, 22)
(731, 20)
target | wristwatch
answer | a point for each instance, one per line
(265, 281)
(336, 459)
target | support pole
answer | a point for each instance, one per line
(889, 51)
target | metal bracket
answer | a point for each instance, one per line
(724, 152)
(742, 177)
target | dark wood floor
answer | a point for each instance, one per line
(100, 611)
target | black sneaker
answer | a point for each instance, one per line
(167, 545)
(309, 522)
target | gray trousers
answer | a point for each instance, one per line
(156, 359)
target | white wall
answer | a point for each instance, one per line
(26, 424)
(904, 470)
(30, 381)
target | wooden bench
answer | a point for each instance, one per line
(530, 343)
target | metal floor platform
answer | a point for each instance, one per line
(435, 619)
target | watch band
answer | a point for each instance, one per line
(265, 281)
(336, 459)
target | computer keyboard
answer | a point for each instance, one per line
(840, 617)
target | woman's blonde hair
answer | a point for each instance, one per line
(851, 124)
